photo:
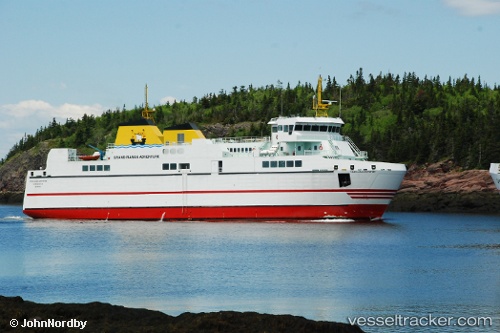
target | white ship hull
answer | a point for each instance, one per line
(495, 174)
(135, 186)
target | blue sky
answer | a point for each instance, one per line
(63, 58)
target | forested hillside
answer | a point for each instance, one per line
(398, 119)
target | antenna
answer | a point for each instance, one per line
(146, 113)
(146, 97)
(340, 104)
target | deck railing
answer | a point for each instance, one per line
(242, 139)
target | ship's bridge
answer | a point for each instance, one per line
(305, 129)
(311, 136)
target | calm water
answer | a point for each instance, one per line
(410, 265)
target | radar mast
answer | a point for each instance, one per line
(319, 104)
(146, 113)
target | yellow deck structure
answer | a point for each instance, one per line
(145, 131)
(184, 133)
(140, 132)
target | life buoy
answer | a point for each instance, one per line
(320, 147)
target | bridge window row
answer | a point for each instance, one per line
(306, 128)
(317, 128)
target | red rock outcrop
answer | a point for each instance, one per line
(446, 178)
(443, 187)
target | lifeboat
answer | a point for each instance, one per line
(93, 157)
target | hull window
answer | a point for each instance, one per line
(169, 166)
(344, 179)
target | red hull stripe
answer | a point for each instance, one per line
(371, 197)
(375, 194)
(213, 213)
(350, 192)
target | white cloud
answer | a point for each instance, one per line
(42, 109)
(77, 111)
(475, 7)
(28, 116)
(168, 99)
(25, 108)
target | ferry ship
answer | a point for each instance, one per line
(306, 170)
(495, 174)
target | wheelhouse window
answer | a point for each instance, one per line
(334, 129)
(184, 166)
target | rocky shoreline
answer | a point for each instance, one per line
(442, 187)
(102, 317)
